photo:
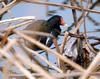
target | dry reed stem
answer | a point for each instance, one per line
(61, 5)
(81, 20)
(19, 75)
(37, 33)
(90, 47)
(10, 13)
(64, 42)
(78, 24)
(57, 49)
(91, 66)
(6, 73)
(23, 70)
(62, 50)
(5, 38)
(67, 73)
(74, 74)
(43, 59)
(73, 3)
(56, 45)
(58, 75)
(17, 19)
(63, 58)
(7, 7)
(13, 60)
(3, 3)
(35, 67)
(10, 5)
(16, 26)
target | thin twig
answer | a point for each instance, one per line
(14, 61)
(92, 66)
(6, 74)
(63, 58)
(17, 19)
(45, 60)
(7, 7)
(58, 50)
(37, 33)
(16, 26)
(61, 5)
(59, 75)
(8, 10)
(62, 50)
(35, 67)
(64, 42)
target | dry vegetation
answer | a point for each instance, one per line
(83, 66)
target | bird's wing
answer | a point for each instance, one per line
(41, 26)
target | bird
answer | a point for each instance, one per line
(51, 25)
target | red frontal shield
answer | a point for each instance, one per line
(62, 22)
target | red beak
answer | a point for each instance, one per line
(62, 22)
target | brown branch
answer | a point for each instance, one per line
(74, 12)
(92, 66)
(95, 38)
(64, 42)
(59, 75)
(91, 7)
(43, 59)
(7, 7)
(56, 45)
(57, 49)
(96, 43)
(62, 50)
(37, 33)
(13, 60)
(61, 5)
(63, 58)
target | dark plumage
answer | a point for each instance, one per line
(51, 25)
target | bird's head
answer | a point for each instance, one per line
(56, 21)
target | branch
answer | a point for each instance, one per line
(7, 7)
(61, 5)
(63, 58)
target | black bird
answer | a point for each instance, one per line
(51, 25)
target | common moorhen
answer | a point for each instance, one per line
(51, 25)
